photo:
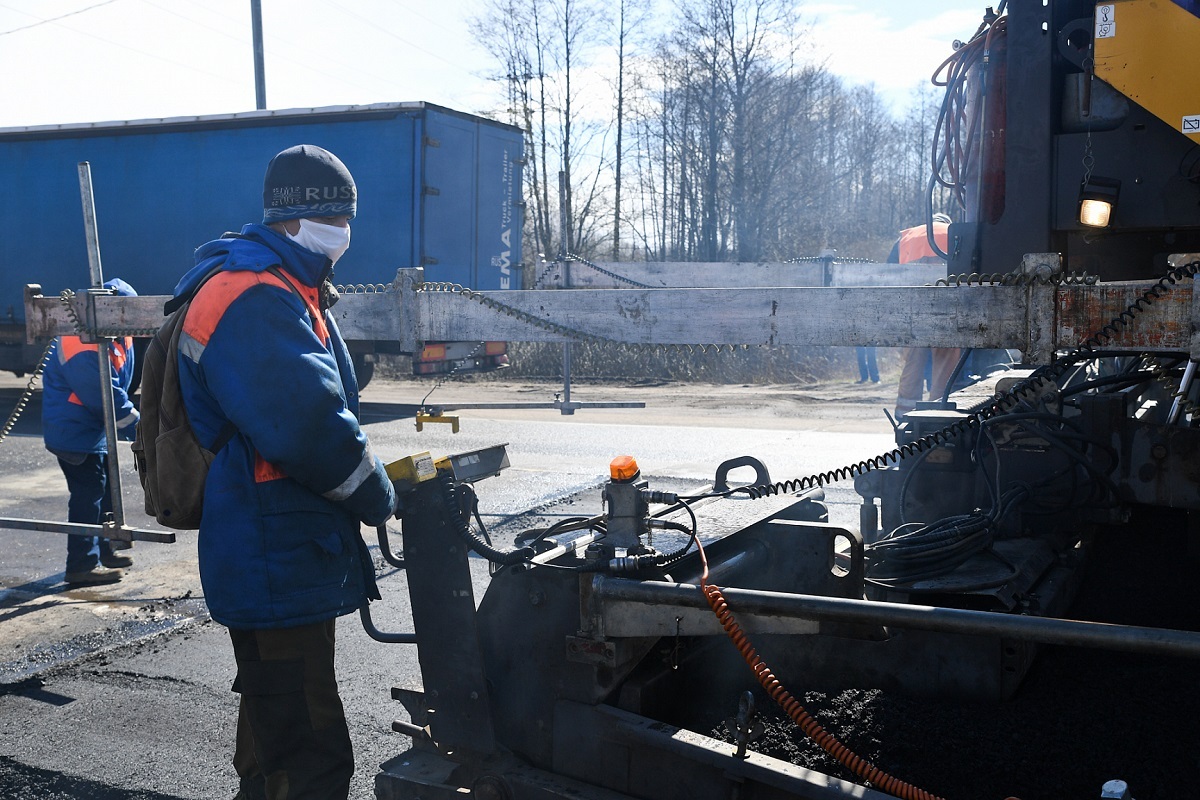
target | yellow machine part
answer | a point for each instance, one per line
(447, 419)
(413, 469)
(1146, 50)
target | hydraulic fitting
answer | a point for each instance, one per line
(655, 496)
(625, 518)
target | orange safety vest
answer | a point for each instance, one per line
(914, 244)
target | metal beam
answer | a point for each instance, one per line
(1158, 641)
(1036, 320)
(986, 316)
(710, 274)
(107, 531)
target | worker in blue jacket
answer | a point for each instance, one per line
(73, 425)
(280, 549)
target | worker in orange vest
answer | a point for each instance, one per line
(913, 247)
(74, 431)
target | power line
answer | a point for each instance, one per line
(430, 20)
(239, 39)
(54, 19)
(114, 43)
(274, 54)
(374, 24)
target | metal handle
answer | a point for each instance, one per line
(761, 477)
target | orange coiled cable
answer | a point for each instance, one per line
(828, 742)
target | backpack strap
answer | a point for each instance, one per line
(278, 273)
(178, 302)
(314, 310)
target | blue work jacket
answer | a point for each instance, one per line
(72, 404)
(280, 541)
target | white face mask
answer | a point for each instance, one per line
(330, 240)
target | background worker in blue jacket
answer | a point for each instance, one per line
(280, 549)
(73, 425)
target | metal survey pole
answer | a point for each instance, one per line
(102, 344)
(563, 221)
(260, 80)
(89, 225)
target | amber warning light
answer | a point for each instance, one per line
(623, 468)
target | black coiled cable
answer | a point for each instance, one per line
(1022, 392)
(1017, 279)
(11, 422)
(930, 551)
(631, 564)
(474, 541)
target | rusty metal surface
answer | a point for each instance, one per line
(1165, 325)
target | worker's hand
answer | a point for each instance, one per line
(129, 432)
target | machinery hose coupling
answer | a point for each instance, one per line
(625, 565)
(655, 496)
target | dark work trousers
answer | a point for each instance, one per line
(292, 739)
(87, 481)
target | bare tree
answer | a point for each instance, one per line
(629, 18)
(720, 141)
(511, 31)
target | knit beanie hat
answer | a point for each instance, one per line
(307, 181)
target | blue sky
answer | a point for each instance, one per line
(137, 59)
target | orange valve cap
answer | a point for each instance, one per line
(623, 468)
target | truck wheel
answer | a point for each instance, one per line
(363, 370)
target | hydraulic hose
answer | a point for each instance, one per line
(474, 541)
(828, 742)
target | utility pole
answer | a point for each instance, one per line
(260, 81)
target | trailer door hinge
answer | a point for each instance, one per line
(429, 141)
(431, 190)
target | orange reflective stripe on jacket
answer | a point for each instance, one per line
(71, 346)
(215, 297)
(119, 352)
(266, 471)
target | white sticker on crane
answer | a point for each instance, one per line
(1191, 125)
(1106, 21)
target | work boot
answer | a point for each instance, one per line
(120, 544)
(93, 577)
(115, 561)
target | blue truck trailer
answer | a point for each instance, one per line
(438, 189)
